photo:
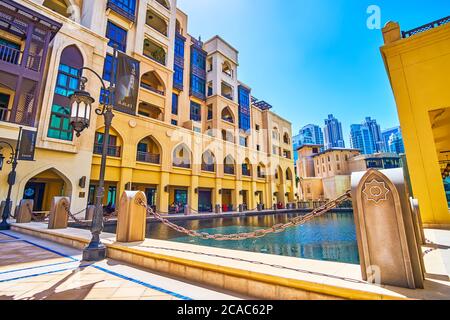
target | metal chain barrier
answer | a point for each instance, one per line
(73, 216)
(36, 217)
(256, 234)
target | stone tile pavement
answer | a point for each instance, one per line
(34, 269)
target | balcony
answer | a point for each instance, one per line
(246, 172)
(122, 9)
(154, 52)
(113, 151)
(148, 157)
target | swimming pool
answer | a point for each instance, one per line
(331, 237)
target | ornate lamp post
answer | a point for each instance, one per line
(11, 178)
(81, 102)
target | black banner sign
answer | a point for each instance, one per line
(127, 86)
(27, 145)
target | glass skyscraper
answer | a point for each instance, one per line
(333, 133)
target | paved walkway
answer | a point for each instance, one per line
(34, 269)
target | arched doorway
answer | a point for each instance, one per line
(43, 187)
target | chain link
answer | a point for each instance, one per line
(278, 228)
(36, 217)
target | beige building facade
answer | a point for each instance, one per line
(198, 136)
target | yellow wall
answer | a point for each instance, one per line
(419, 70)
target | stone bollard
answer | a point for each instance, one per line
(218, 208)
(275, 207)
(417, 216)
(241, 208)
(187, 210)
(89, 213)
(132, 217)
(388, 248)
(24, 211)
(260, 207)
(2, 207)
(59, 217)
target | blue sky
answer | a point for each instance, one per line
(310, 58)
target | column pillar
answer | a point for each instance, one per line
(193, 196)
(162, 195)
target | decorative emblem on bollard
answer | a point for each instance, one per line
(376, 191)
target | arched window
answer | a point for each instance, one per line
(114, 143)
(227, 69)
(247, 168)
(227, 115)
(261, 171)
(182, 157)
(67, 81)
(229, 165)
(288, 174)
(148, 150)
(286, 138)
(208, 162)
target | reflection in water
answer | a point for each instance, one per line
(331, 237)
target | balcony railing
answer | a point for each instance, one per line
(208, 167)
(14, 56)
(429, 26)
(23, 118)
(228, 96)
(180, 164)
(228, 170)
(154, 57)
(149, 87)
(113, 151)
(10, 55)
(261, 175)
(148, 157)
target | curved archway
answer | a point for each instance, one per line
(229, 165)
(181, 156)
(208, 161)
(149, 150)
(45, 184)
(153, 82)
(288, 174)
(227, 69)
(227, 115)
(164, 3)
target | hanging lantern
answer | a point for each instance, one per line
(81, 104)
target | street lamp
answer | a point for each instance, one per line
(11, 178)
(81, 103)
